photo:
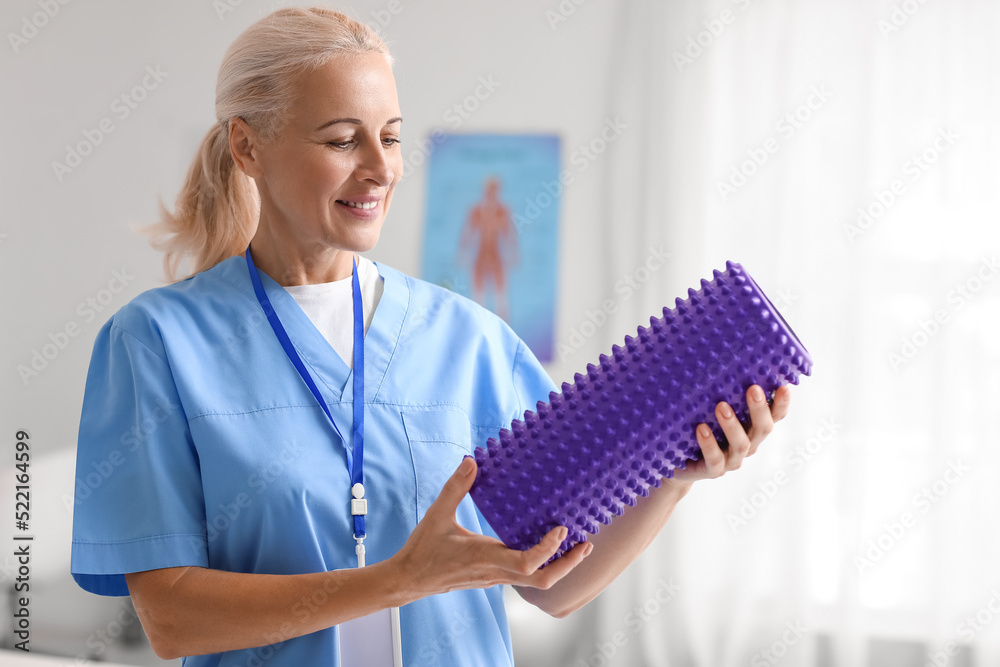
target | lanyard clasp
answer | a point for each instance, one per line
(360, 549)
(359, 504)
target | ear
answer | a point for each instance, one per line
(244, 145)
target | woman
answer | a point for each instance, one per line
(225, 514)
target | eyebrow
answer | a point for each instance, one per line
(354, 121)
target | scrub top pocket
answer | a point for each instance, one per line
(438, 438)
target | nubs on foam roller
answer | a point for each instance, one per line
(619, 430)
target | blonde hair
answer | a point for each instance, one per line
(217, 209)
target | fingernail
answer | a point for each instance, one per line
(757, 394)
(704, 431)
(725, 411)
(587, 549)
(467, 465)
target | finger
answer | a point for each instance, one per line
(454, 489)
(527, 562)
(713, 458)
(739, 441)
(559, 568)
(761, 420)
(782, 399)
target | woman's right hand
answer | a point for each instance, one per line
(441, 556)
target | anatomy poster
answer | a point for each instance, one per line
(491, 227)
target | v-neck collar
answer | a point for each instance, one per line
(332, 375)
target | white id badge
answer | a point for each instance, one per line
(372, 641)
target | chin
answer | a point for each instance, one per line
(364, 242)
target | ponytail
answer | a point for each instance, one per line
(218, 207)
(216, 212)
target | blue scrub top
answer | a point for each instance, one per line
(200, 445)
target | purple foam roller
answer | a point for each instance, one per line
(629, 422)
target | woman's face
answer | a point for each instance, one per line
(328, 179)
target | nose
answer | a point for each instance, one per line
(376, 164)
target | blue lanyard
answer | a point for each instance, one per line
(355, 463)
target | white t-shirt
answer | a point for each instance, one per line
(330, 306)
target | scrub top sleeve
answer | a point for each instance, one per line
(531, 382)
(138, 502)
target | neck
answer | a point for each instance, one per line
(289, 262)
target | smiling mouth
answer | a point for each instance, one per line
(358, 204)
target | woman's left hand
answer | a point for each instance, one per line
(743, 442)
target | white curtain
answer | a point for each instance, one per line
(859, 143)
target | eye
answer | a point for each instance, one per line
(339, 144)
(389, 141)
